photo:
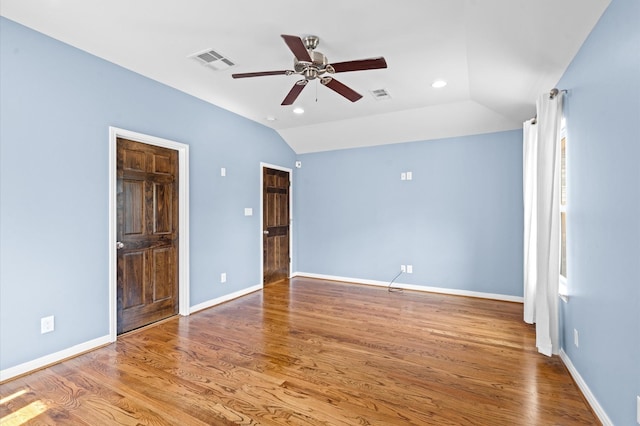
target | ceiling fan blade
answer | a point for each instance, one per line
(360, 65)
(261, 73)
(297, 47)
(341, 89)
(294, 92)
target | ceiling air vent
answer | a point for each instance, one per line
(380, 94)
(212, 59)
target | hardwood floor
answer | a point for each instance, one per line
(312, 352)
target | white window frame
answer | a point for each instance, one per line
(563, 279)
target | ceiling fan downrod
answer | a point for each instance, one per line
(311, 42)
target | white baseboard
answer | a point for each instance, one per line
(225, 298)
(593, 402)
(451, 291)
(53, 358)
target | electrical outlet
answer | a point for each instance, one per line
(403, 268)
(223, 277)
(575, 338)
(409, 269)
(47, 324)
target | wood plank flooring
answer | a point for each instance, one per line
(313, 352)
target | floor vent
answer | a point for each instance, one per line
(380, 94)
(212, 59)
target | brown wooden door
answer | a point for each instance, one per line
(147, 222)
(275, 211)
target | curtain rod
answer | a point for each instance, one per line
(555, 92)
(552, 94)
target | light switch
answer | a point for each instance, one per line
(409, 175)
(403, 176)
(223, 172)
(248, 211)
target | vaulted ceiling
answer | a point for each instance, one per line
(496, 56)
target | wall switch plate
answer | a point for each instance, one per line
(575, 337)
(248, 211)
(409, 269)
(409, 175)
(403, 176)
(47, 324)
(223, 277)
(223, 172)
(403, 268)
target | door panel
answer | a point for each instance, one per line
(134, 160)
(162, 198)
(162, 164)
(147, 185)
(276, 225)
(133, 279)
(162, 285)
(133, 207)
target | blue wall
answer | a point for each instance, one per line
(458, 222)
(57, 104)
(603, 115)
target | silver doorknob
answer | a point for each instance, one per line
(119, 245)
(265, 232)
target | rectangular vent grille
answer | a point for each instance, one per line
(212, 59)
(380, 94)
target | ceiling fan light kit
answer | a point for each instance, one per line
(312, 65)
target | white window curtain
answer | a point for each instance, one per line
(541, 152)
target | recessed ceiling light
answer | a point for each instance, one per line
(438, 84)
(298, 110)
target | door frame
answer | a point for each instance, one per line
(183, 220)
(290, 171)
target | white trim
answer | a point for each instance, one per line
(225, 298)
(563, 283)
(53, 358)
(591, 399)
(441, 290)
(290, 171)
(563, 291)
(183, 219)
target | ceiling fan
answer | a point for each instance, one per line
(312, 65)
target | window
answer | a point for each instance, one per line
(563, 210)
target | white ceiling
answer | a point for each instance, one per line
(496, 55)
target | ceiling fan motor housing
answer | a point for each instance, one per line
(311, 70)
